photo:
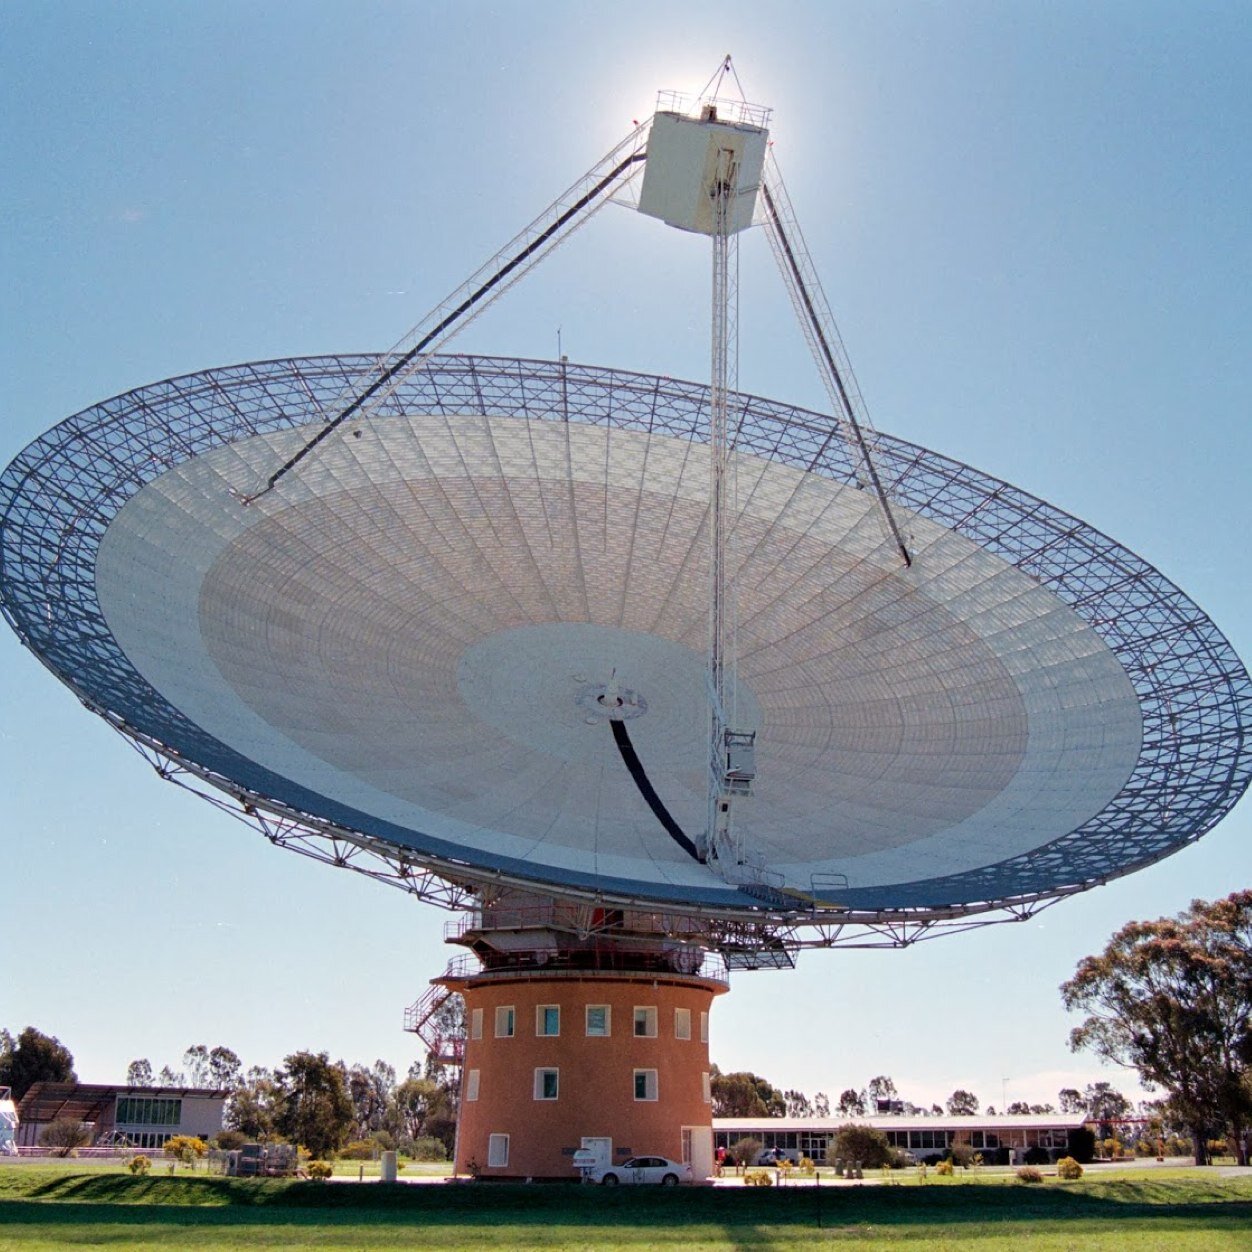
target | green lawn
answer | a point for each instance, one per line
(61, 1206)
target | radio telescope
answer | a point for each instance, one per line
(652, 678)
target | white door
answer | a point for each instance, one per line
(603, 1148)
(701, 1141)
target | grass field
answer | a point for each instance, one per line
(60, 1206)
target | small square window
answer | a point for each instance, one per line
(547, 1020)
(497, 1151)
(682, 1023)
(645, 1084)
(505, 1021)
(471, 1085)
(546, 1084)
(704, 1028)
(599, 1020)
(645, 1022)
(476, 1024)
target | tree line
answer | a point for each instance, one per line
(1170, 999)
(323, 1105)
(745, 1094)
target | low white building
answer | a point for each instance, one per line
(1003, 1138)
(144, 1117)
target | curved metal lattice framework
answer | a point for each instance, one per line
(60, 494)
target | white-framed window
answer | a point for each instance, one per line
(645, 1022)
(682, 1023)
(704, 1028)
(599, 1020)
(471, 1084)
(645, 1084)
(706, 1088)
(547, 1084)
(547, 1019)
(506, 1021)
(497, 1151)
(476, 1023)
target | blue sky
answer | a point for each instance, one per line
(1032, 221)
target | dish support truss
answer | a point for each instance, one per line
(59, 495)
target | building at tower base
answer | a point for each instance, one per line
(585, 1028)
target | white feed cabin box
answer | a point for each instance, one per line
(682, 163)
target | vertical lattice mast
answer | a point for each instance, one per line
(723, 381)
(704, 163)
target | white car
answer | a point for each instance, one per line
(642, 1169)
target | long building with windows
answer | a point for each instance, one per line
(999, 1138)
(142, 1117)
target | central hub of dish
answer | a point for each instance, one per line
(608, 701)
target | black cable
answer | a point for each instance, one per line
(648, 791)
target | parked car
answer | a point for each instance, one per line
(643, 1169)
(776, 1156)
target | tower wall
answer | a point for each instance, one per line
(641, 1092)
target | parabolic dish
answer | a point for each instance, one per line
(407, 638)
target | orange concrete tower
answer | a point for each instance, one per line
(584, 1028)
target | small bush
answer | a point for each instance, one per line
(807, 1166)
(863, 1144)
(744, 1151)
(1028, 1173)
(757, 1178)
(359, 1150)
(1038, 1156)
(319, 1169)
(962, 1155)
(66, 1135)
(1080, 1142)
(944, 1169)
(185, 1148)
(230, 1140)
(427, 1148)
(139, 1165)
(1068, 1168)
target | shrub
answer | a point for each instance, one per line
(230, 1140)
(1028, 1173)
(1068, 1168)
(66, 1134)
(139, 1165)
(359, 1150)
(427, 1148)
(319, 1169)
(962, 1155)
(1038, 1156)
(807, 1166)
(744, 1151)
(944, 1169)
(185, 1148)
(1080, 1144)
(863, 1144)
(757, 1178)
